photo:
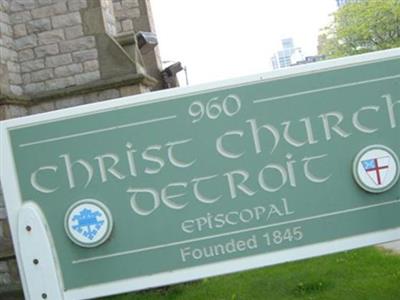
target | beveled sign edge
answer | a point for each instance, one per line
(13, 199)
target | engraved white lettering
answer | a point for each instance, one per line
(222, 149)
(40, 187)
(167, 198)
(327, 127)
(152, 195)
(233, 186)
(80, 162)
(390, 107)
(255, 130)
(172, 158)
(309, 175)
(111, 169)
(356, 121)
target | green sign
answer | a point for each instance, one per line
(187, 183)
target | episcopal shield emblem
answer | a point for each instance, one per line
(88, 223)
(376, 168)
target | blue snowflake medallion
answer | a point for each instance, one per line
(88, 224)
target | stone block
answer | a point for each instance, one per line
(33, 88)
(25, 42)
(81, 56)
(15, 78)
(60, 83)
(106, 4)
(20, 17)
(13, 67)
(91, 65)
(6, 29)
(110, 28)
(46, 2)
(25, 55)
(42, 75)
(19, 30)
(46, 50)
(8, 55)
(91, 97)
(69, 102)
(16, 90)
(14, 111)
(51, 36)
(73, 32)
(78, 44)
(6, 247)
(109, 94)
(130, 13)
(57, 8)
(32, 65)
(13, 269)
(7, 42)
(75, 5)
(3, 15)
(42, 107)
(117, 5)
(4, 86)
(127, 25)
(68, 70)
(70, 19)
(58, 60)
(2, 117)
(13, 55)
(19, 5)
(130, 3)
(38, 25)
(4, 5)
(5, 279)
(3, 60)
(3, 267)
(4, 221)
(133, 90)
(26, 78)
(87, 77)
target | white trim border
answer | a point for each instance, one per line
(13, 197)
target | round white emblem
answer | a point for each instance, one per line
(88, 223)
(376, 168)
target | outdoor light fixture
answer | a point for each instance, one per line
(169, 74)
(147, 41)
(173, 69)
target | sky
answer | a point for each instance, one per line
(222, 39)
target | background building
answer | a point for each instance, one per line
(287, 56)
(310, 59)
(60, 53)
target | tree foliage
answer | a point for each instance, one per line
(362, 26)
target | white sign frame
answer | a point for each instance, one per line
(18, 212)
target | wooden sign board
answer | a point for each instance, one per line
(186, 183)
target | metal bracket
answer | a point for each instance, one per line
(42, 279)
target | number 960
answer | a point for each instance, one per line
(214, 108)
